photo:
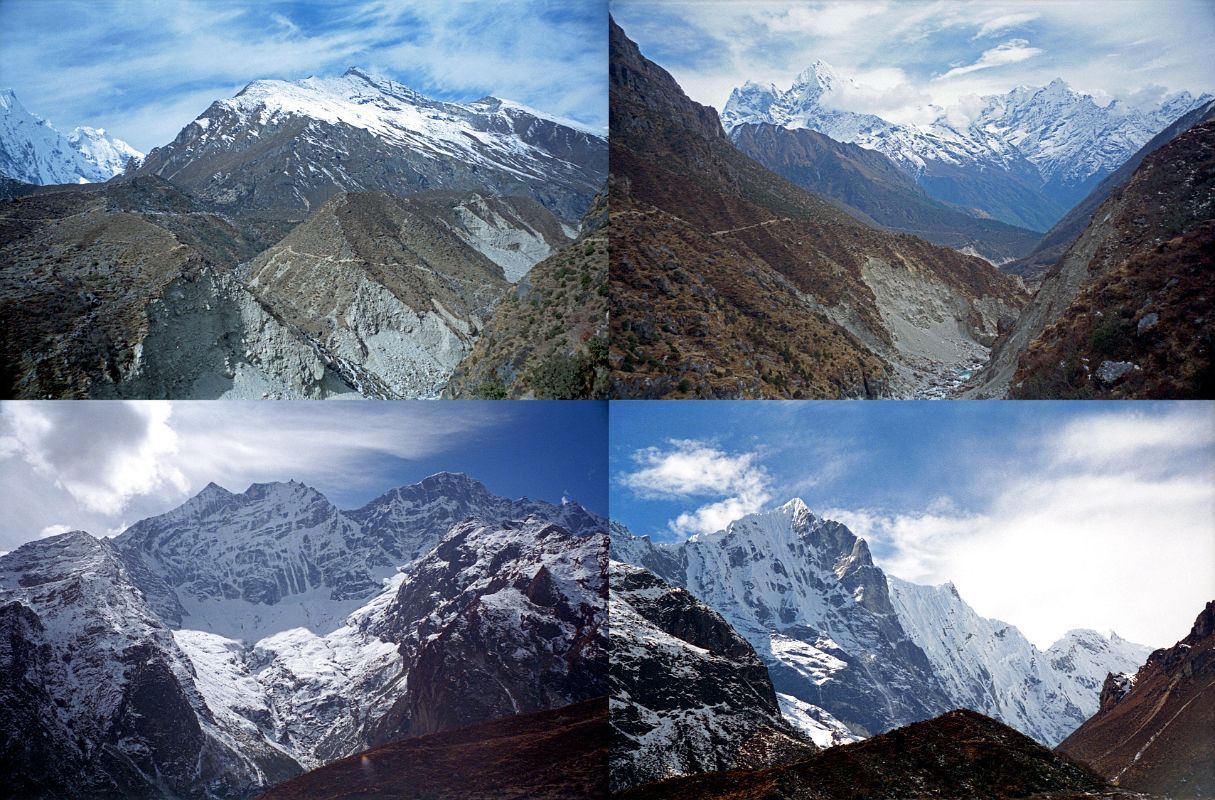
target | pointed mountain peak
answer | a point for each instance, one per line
(1058, 88)
(796, 507)
(213, 489)
(819, 73)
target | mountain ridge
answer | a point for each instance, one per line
(1049, 145)
(836, 632)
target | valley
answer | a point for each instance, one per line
(795, 249)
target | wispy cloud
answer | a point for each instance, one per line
(144, 69)
(1010, 52)
(1005, 22)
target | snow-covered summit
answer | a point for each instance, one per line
(281, 555)
(483, 131)
(33, 151)
(107, 155)
(294, 144)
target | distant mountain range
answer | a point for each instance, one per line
(241, 638)
(1025, 158)
(33, 152)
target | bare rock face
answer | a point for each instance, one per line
(688, 694)
(1155, 731)
(496, 621)
(804, 592)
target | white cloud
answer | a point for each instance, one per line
(1010, 52)
(688, 469)
(97, 466)
(1114, 528)
(832, 19)
(53, 530)
(101, 467)
(1004, 22)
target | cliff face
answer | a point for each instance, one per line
(1155, 731)
(1124, 314)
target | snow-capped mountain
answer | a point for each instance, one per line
(989, 666)
(105, 155)
(32, 151)
(805, 593)
(1050, 144)
(280, 555)
(293, 144)
(495, 610)
(847, 643)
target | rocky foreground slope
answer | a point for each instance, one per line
(957, 755)
(547, 755)
(243, 638)
(1155, 730)
(1125, 312)
(548, 338)
(728, 281)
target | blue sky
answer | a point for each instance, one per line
(1047, 515)
(906, 56)
(143, 69)
(100, 466)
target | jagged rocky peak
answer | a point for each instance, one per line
(688, 693)
(55, 558)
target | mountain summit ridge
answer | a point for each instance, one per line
(1051, 145)
(836, 631)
